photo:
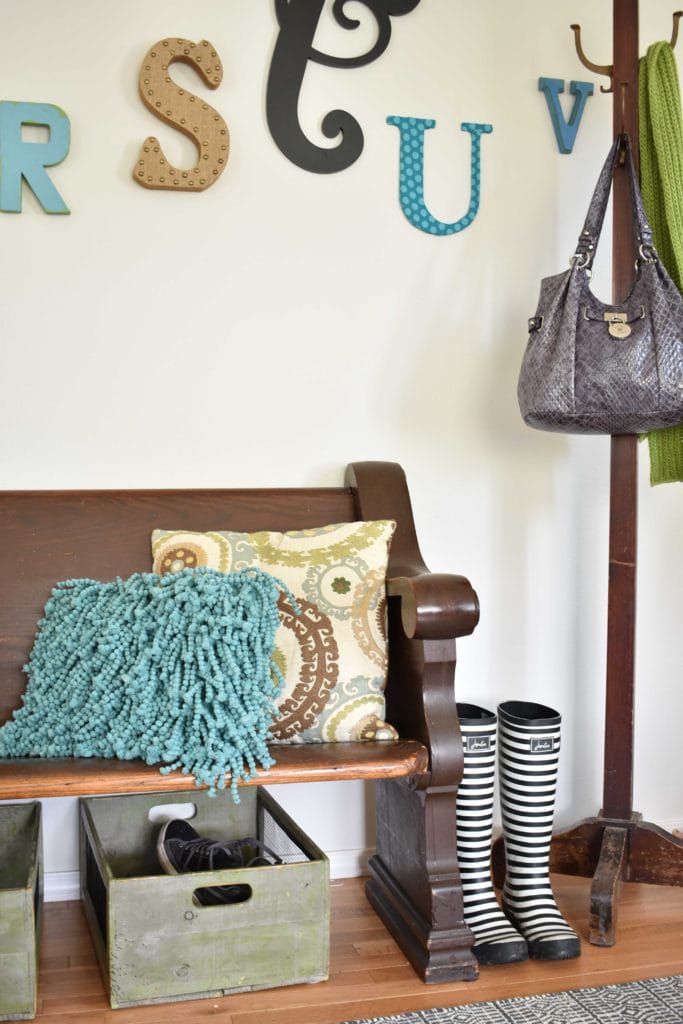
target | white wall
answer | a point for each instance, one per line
(283, 323)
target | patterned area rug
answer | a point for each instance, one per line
(659, 1001)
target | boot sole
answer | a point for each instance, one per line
(546, 949)
(501, 953)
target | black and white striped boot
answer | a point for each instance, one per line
(495, 940)
(528, 757)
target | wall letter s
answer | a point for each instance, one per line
(184, 111)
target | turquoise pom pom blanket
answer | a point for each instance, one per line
(175, 669)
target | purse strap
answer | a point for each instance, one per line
(642, 233)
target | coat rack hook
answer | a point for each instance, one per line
(674, 37)
(600, 69)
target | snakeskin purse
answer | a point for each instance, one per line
(591, 368)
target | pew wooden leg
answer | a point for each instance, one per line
(414, 883)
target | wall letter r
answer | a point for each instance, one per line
(28, 160)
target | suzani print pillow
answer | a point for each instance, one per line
(334, 655)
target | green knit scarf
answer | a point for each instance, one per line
(661, 179)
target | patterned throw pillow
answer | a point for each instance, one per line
(334, 655)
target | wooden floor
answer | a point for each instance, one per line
(369, 976)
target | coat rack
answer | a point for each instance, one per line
(617, 845)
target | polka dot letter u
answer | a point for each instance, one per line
(411, 175)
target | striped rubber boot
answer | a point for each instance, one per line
(528, 757)
(495, 940)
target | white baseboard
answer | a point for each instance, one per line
(349, 863)
(65, 885)
(62, 885)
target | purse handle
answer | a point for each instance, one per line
(642, 233)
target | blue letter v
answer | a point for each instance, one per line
(565, 131)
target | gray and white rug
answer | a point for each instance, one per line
(659, 1001)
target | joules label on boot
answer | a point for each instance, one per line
(541, 745)
(477, 743)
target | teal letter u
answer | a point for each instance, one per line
(411, 174)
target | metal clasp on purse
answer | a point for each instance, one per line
(618, 323)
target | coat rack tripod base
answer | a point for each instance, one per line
(613, 851)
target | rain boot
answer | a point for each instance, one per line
(496, 941)
(528, 755)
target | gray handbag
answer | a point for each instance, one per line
(590, 368)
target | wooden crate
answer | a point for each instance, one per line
(156, 943)
(21, 901)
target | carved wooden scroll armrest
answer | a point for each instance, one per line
(435, 606)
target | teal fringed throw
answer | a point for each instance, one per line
(175, 669)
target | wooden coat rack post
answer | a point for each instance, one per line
(617, 845)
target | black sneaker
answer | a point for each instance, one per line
(181, 849)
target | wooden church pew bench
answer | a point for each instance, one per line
(414, 885)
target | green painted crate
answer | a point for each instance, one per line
(156, 943)
(21, 903)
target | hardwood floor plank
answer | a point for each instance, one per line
(371, 955)
(73, 1016)
(197, 1010)
(75, 1003)
(369, 974)
(57, 962)
(85, 981)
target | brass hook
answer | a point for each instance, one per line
(600, 69)
(608, 69)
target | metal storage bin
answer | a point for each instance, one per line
(21, 902)
(156, 943)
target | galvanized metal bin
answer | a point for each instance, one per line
(21, 902)
(154, 940)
